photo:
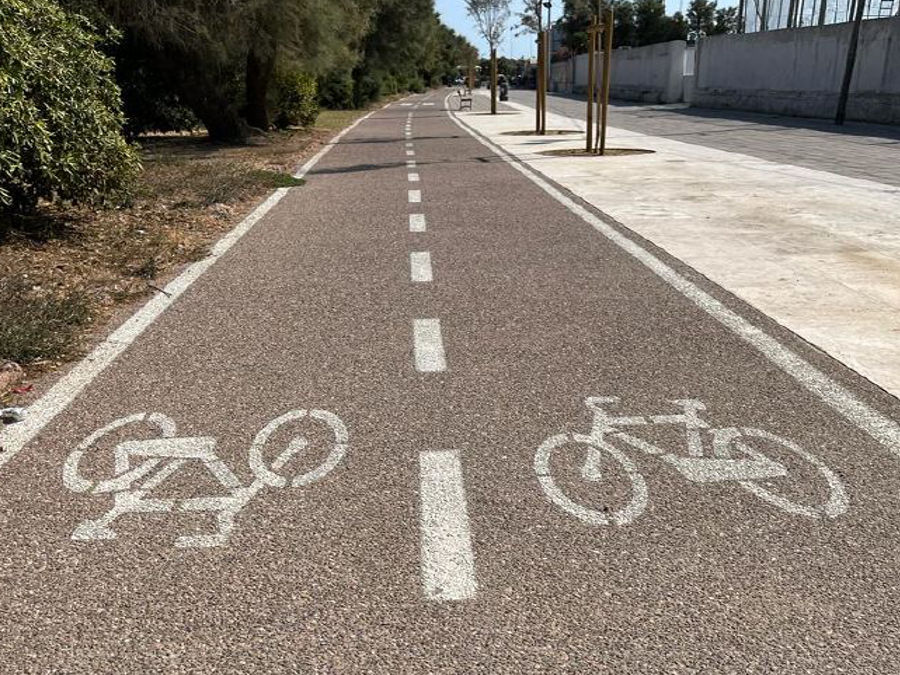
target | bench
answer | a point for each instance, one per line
(465, 98)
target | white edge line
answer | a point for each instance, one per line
(880, 427)
(15, 437)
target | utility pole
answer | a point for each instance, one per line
(545, 74)
(607, 62)
(593, 35)
(538, 73)
(851, 62)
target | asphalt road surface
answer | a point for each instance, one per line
(420, 418)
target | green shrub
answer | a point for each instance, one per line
(368, 89)
(389, 85)
(416, 85)
(297, 102)
(60, 111)
(336, 90)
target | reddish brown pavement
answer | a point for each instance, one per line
(388, 563)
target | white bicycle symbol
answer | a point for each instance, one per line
(733, 459)
(141, 466)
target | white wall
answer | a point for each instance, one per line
(653, 74)
(799, 71)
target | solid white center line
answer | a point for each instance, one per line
(420, 267)
(416, 222)
(415, 196)
(413, 177)
(448, 562)
(429, 346)
(410, 153)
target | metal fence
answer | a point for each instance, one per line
(759, 15)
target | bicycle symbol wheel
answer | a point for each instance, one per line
(268, 473)
(733, 442)
(74, 480)
(590, 450)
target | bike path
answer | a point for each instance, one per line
(315, 310)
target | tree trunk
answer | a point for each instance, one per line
(258, 78)
(493, 80)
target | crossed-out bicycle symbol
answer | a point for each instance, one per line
(142, 466)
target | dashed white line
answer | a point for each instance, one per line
(416, 222)
(413, 177)
(420, 267)
(415, 196)
(411, 163)
(410, 153)
(448, 562)
(409, 145)
(429, 346)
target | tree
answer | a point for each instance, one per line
(490, 18)
(726, 21)
(701, 18)
(60, 113)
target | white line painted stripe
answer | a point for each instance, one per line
(410, 153)
(448, 562)
(420, 267)
(409, 145)
(883, 429)
(429, 346)
(413, 177)
(416, 222)
(415, 196)
(411, 163)
(428, 104)
(14, 437)
(405, 104)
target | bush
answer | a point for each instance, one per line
(368, 89)
(336, 90)
(297, 101)
(60, 111)
(416, 85)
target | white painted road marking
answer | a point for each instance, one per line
(413, 177)
(420, 266)
(448, 562)
(411, 163)
(880, 427)
(429, 346)
(416, 222)
(410, 153)
(141, 466)
(415, 196)
(409, 145)
(428, 104)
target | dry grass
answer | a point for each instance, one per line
(64, 271)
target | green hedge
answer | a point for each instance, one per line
(60, 111)
(297, 101)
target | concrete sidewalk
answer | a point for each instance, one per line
(818, 252)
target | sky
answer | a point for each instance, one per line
(453, 13)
